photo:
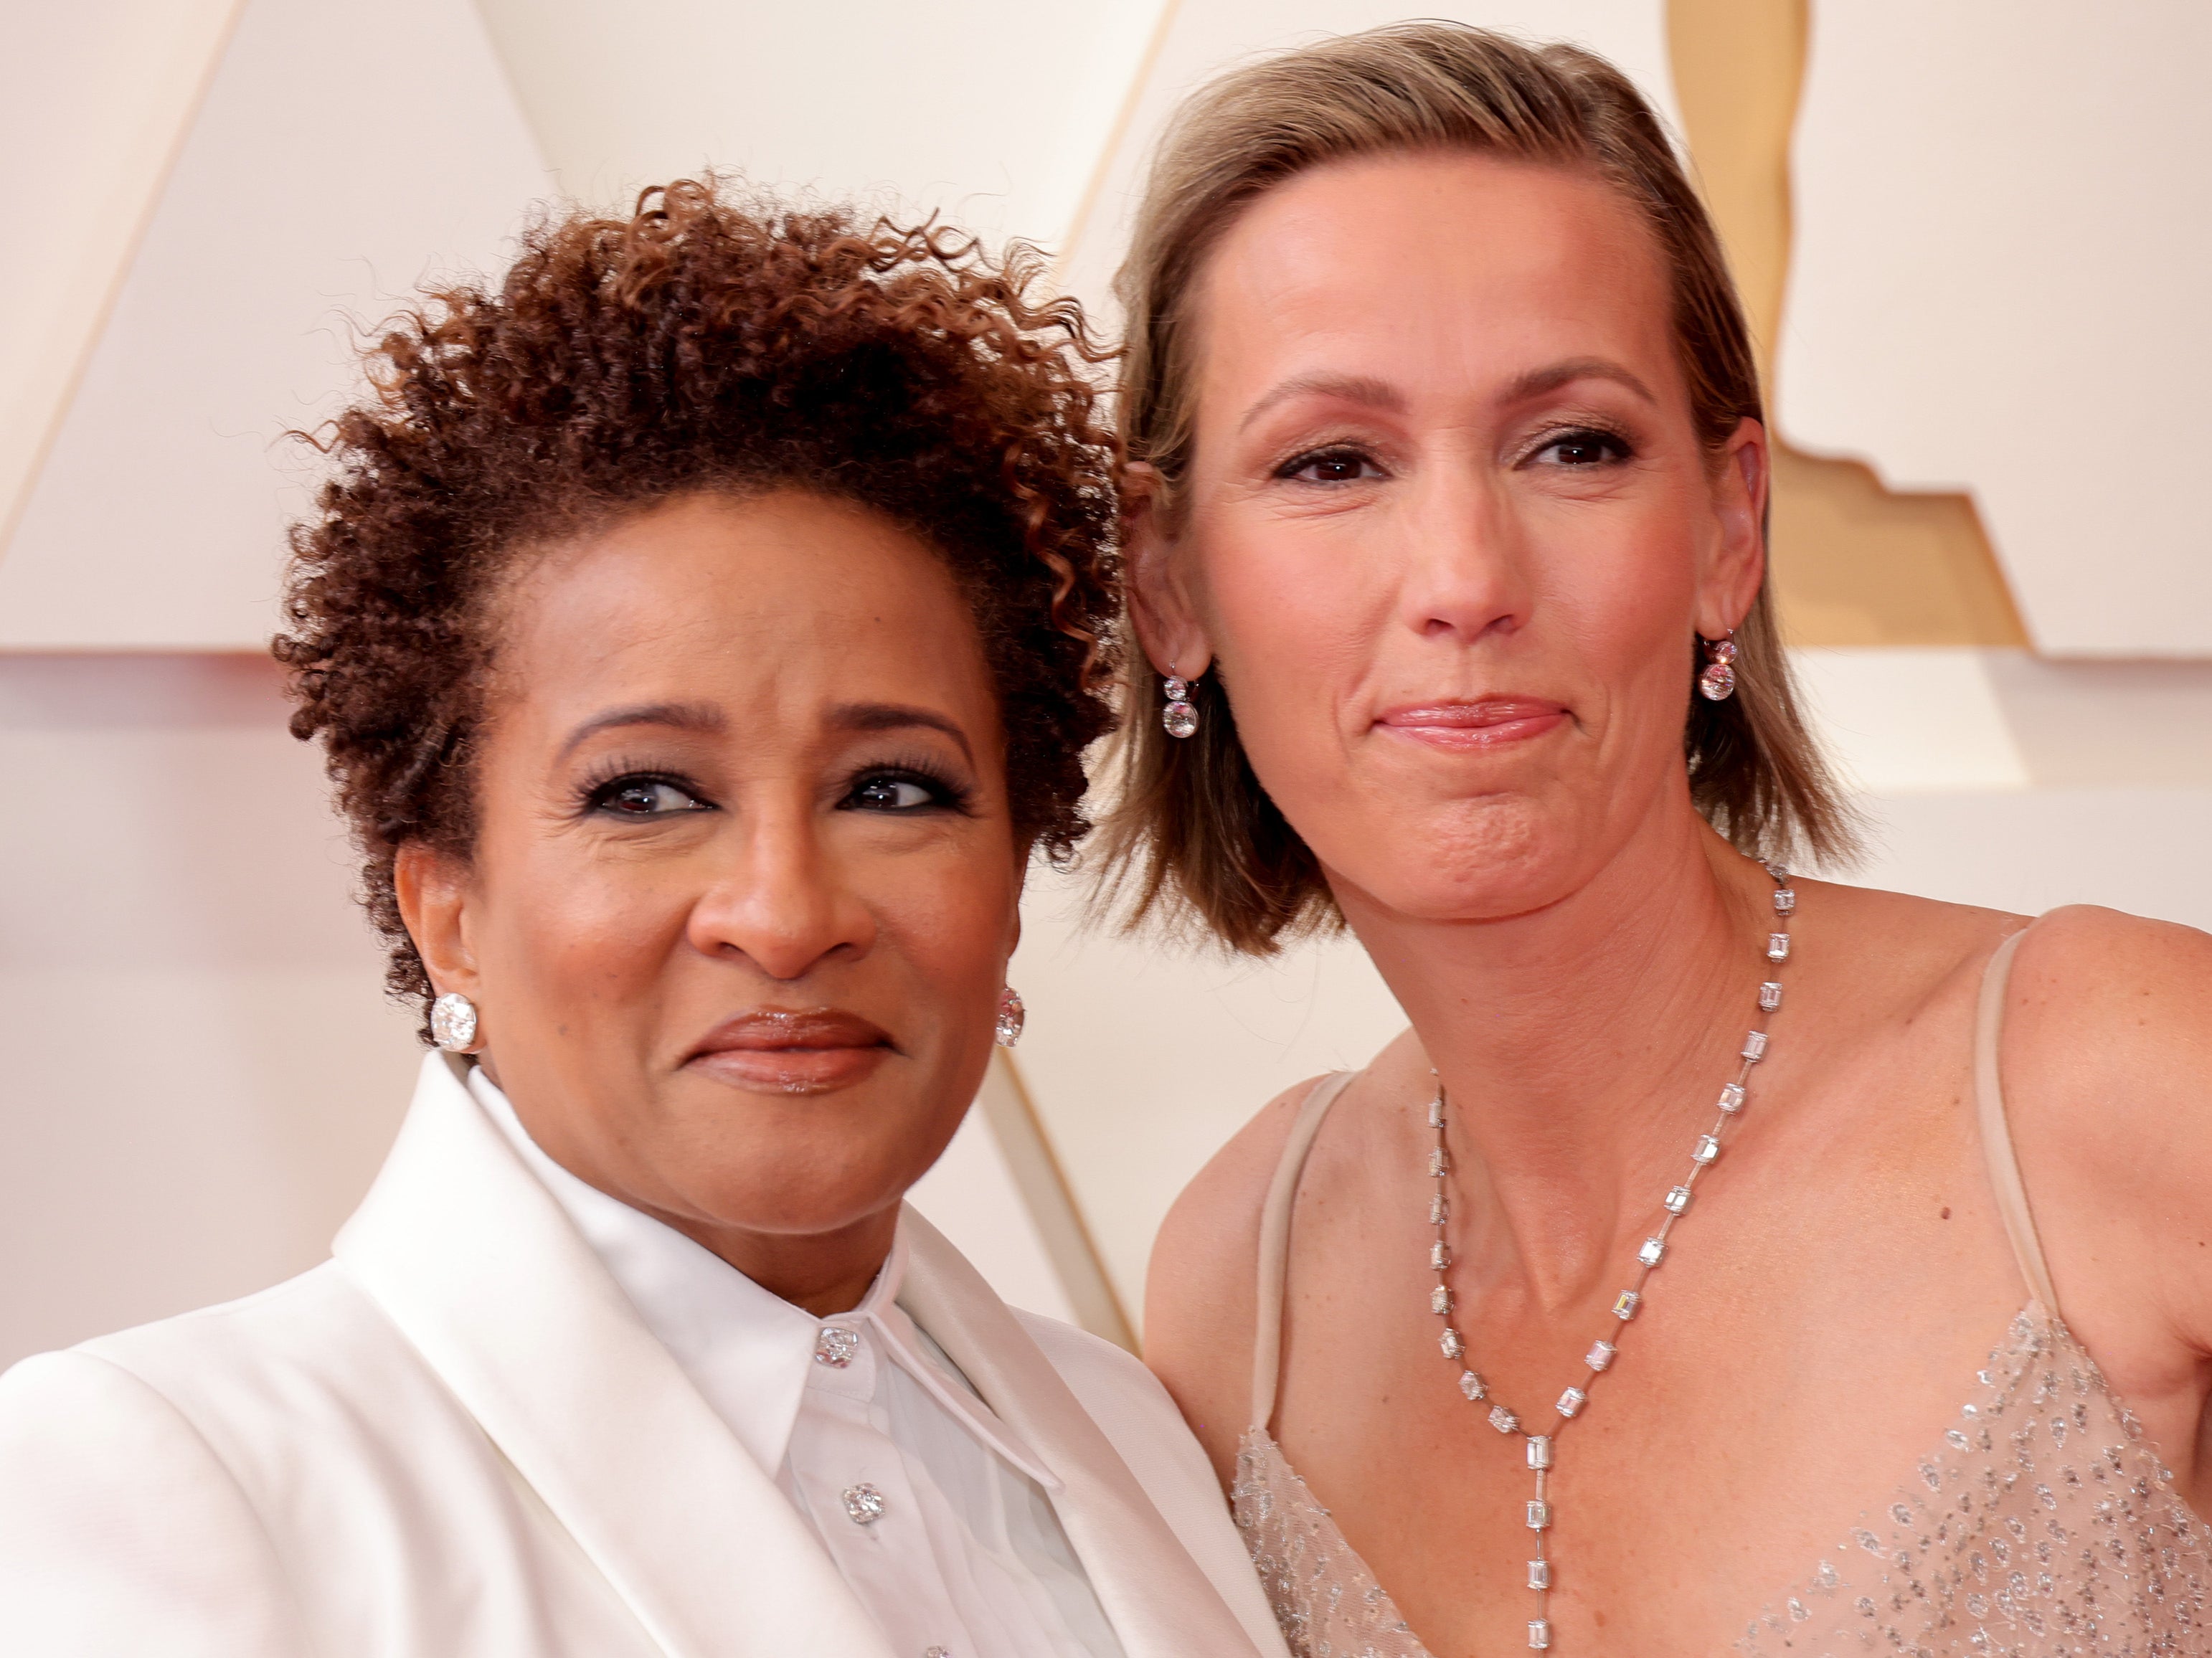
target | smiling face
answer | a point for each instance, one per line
(745, 882)
(1447, 528)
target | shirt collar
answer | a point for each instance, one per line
(747, 1349)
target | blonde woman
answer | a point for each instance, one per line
(1723, 1257)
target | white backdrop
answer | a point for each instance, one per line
(330, 168)
(2004, 221)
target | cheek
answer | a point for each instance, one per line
(585, 928)
(1270, 605)
(1614, 602)
(949, 918)
(1298, 614)
(1613, 599)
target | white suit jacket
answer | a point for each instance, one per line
(456, 1437)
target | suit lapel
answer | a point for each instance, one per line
(482, 1273)
(1161, 1604)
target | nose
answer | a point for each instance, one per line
(784, 903)
(1466, 575)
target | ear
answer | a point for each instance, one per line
(1159, 596)
(432, 892)
(1737, 563)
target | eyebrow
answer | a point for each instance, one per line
(1537, 381)
(706, 718)
(1374, 393)
(1351, 388)
(898, 716)
(679, 716)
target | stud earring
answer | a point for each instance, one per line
(1179, 719)
(453, 1024)
(1012, 1017)
(1718, 682)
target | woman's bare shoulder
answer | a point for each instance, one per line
(2106, 1065)
(1904, 926)
(2099, 1004)
(1201, 1290)
(1888, 962)
(1206, 1258)
(1201, 1293)
(1221, 1205)
(2112, 1014)
(2095, 943)
(1208, 1246)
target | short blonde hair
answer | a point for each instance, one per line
(1193, 837)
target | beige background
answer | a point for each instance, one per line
(203, 199)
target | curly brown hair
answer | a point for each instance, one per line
(712, 342)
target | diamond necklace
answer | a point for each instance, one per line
(1652, 1252)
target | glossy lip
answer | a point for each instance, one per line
(774, 1050)
(1489, 722)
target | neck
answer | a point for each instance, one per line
(1582, 1044)
(822, 1273)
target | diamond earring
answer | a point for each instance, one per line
(453, 1023)
(1178, 719)
(1718, 682)
(1012, 1017)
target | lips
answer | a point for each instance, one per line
(1489, 722)
(791, 1051)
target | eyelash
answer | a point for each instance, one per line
(1598, 437)
(1289, 470)
(596, 794)
(945, 794)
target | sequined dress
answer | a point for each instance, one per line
(2042, 1525)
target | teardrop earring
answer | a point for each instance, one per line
(1718, 682)
(1012, 1017)
(453, 1024)
(1178, 719)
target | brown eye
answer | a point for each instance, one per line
(644, 797)
(1331, 466)
(1582, 449)
(896, 791)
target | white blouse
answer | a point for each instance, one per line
(934, 1512)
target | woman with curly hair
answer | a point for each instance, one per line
(703, 629)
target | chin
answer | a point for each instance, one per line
(1485, 860)
(809, 1184)
(791, 1211)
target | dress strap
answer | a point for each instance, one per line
(1996, 1133)
(1275, 1243)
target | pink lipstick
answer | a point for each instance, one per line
(1490, 722)
(780, 1051)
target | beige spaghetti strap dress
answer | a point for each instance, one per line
(2041, 1525)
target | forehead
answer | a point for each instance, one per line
(773, 604)
(1436, 262)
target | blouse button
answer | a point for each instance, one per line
(864, 1504)
(835, 1346)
